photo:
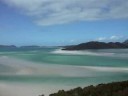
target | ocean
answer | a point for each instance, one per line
(36, 71)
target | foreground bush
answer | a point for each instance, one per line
(110, 89)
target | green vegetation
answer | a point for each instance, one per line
(110, 89)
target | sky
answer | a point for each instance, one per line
(62, 22)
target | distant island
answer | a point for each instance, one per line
(29, 46)
(110, 89)
(82, 46)
(97, 45)
(8, 46)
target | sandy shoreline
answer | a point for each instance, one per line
(22, 67)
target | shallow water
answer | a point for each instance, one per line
(31, 72)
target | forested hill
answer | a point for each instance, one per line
(98, 45)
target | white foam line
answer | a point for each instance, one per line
(60, 51)
(106, 69)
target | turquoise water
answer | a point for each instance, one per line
(54, 67)
(46, 56)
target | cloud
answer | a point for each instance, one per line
(115, 37)
(51, 12)
(111, 38)
(72, 41)
(101, 38)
